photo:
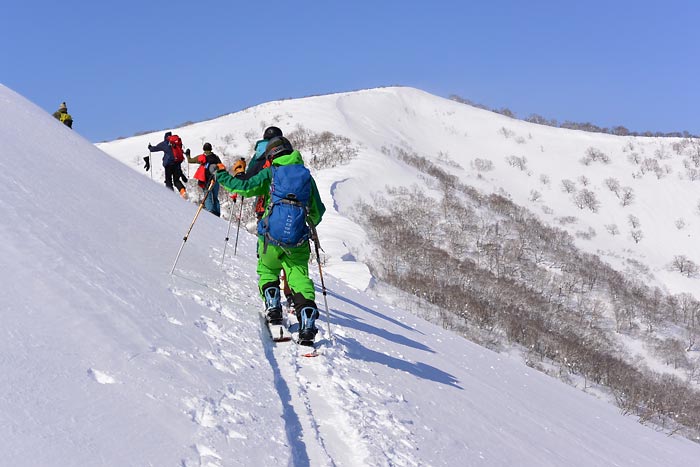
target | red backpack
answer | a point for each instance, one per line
(176, 145)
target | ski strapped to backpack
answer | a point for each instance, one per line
(176, 146)
(290, 191)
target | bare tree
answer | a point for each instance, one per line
(569, 186)
(634, 158)
(633, 221)
(587, 199)
(482, 165)
(684, 265)
(613, 185)
(612, 229)
(594, 155)
(535, 195)
(627, 196)
(636, 235)
(517, 162)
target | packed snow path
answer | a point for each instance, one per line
(328, 417)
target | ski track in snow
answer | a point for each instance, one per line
(330, 418)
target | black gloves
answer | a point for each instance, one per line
(147, 160)
(149, 146)
(187, 151)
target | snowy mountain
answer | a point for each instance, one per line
(629, 201)
(107, 359)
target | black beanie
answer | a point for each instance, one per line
(206, 147)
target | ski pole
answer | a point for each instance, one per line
(199, 209)
(314, 236)
(238, 229)
(228, 231)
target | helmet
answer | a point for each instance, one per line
(278, 146)
(271, 131)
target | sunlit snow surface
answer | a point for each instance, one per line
(107, 359)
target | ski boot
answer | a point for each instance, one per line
(307, 322)
(273, 308)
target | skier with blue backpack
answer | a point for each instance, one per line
(259, 162)
(293, 204)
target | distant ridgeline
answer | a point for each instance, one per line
(540, 120)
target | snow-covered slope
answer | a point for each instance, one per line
(666, 208)
(108, 360)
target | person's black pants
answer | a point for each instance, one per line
(173, 174)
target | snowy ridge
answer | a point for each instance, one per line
(109, 360)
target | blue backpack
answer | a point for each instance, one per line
(290, 191)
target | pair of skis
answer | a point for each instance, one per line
(280, 332)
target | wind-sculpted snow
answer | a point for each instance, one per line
(107, 359)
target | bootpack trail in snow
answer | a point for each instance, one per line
(319, 420)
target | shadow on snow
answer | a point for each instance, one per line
(370, 311)
(357, 351)
(292, 425)
(349, 321)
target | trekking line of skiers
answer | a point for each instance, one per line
(287, 206)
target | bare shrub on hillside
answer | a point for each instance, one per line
(587, 199)
(612, 229)
(482, 165)
(545, 180)
(567, 220)
(662, 152)
(594, 155)
(636, 235)
(691, 172)
(444, 157)
(635, 158)
(671, 351)
(613, 185)
(506, 132)
(568, 186)
(322, 150)
(633, 221)
(627, 196)
(680, 223)
(535, 195)
(685, 266)
(649, 165)
(505, 111)
(583, 180)
(587, 234)
(524, 281)
(519, 163)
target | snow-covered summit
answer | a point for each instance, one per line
(109, 360)
(644, 188)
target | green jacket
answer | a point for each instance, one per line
(259, 185)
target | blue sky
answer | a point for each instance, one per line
(126, 67)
